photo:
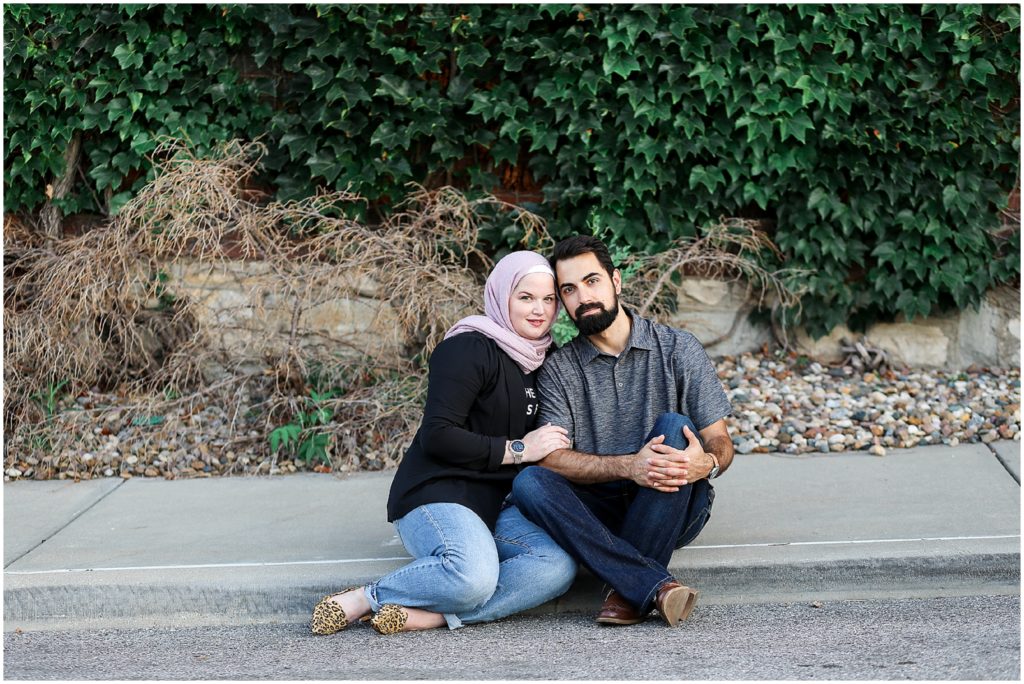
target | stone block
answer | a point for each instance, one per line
(916, 344)
(1006, 301)
(704, 293)
(249, 317)
(214, 275)
(824, 349)
(708, 309)
(978, 336)
(708, 326)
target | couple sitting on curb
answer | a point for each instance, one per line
(497, 512)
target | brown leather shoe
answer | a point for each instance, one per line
(675, 602)
(615, 611)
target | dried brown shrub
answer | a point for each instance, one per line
(732, 250)
(97, 310)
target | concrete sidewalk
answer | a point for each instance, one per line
(931, 521)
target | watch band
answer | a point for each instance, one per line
(717, 469)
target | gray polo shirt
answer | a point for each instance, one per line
(609, 404)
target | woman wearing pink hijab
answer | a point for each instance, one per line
(476, 557)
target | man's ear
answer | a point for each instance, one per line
(617, 281)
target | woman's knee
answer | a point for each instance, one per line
(471, 581)
(557, 570)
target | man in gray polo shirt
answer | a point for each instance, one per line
(620, 501)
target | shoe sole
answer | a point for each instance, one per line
(618, 621)
(691, 601)
(678, 605)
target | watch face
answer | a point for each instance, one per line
(518, 446)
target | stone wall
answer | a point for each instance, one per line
(248, 311)
(234, 303)
(989, 336)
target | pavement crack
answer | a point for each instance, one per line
(1004, 464)
(60, 529)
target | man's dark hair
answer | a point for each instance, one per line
(579, 245)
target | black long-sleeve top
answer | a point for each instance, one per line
(477, 399)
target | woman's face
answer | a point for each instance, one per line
(532, 305)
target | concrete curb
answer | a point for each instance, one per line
(260, 599)
(237, 551)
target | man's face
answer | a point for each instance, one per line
(590, 296)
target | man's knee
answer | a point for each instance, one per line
(534, 485)
(671, 425)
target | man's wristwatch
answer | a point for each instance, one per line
(518, 448)
(714, 469)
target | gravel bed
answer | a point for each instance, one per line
(795, 408)
(779, 405)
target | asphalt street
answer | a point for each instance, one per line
(940, 638)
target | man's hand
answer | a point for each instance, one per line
(671, 468)
(640, 464)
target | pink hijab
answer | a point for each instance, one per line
(496, 323)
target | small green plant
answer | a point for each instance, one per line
(294, 436)
(165, 298)
(49, 398)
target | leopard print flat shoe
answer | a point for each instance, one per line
(390, 619)
(328, 616)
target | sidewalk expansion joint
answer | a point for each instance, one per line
(350, 561)
(1004, 464)
(75, 517)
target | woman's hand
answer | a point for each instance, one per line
(542, 441)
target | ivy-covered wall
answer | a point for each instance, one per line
(880, 143)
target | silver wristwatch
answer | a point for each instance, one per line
(715, 470)
(518, 448)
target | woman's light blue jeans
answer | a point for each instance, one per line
(469, 575)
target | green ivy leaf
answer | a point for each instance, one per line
(795, 126)
(319, 75)
(395, 88)
(620, 63)
(710, 178)
(504, 150)
(127, 57)
(471, 54)
(324, 164)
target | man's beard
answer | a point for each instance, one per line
(596, 323)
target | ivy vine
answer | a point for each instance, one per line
(879, 143)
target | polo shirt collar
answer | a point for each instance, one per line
(640, 336)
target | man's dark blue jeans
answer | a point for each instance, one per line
(621, 532)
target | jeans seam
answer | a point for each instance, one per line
(514, 542)
(438, 528)
(652, 564)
